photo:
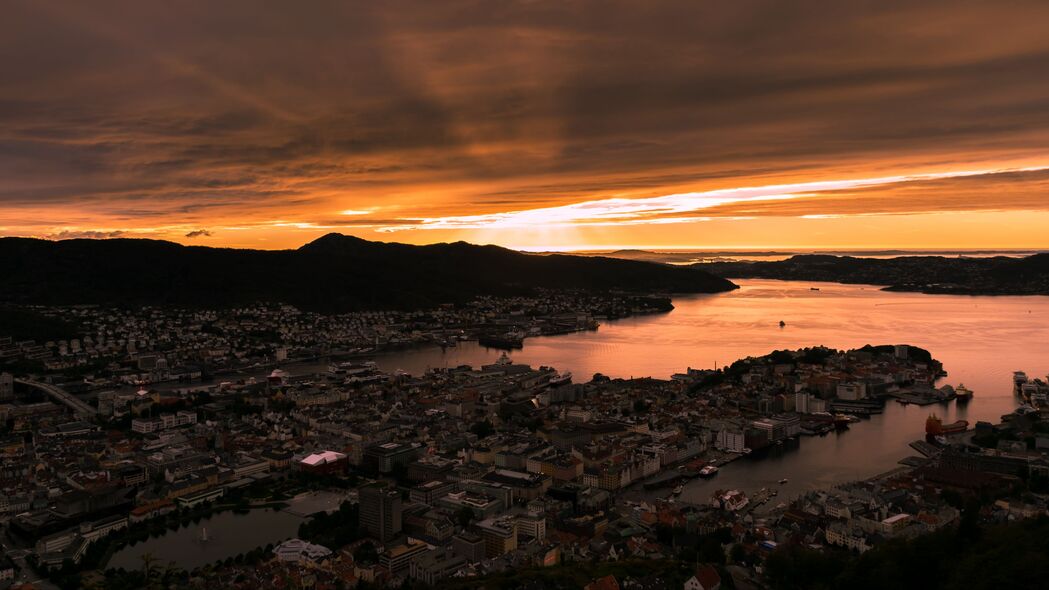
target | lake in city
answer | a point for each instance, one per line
(228, 534)
(980, 340)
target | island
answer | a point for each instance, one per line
(995, 275)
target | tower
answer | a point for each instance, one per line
(380, 511)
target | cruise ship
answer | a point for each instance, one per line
(962, 392)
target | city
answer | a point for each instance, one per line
(524, 295)
(457, 474)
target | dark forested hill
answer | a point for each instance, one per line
(333, 273)
(999, 275)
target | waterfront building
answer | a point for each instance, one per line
(779, 427)
(730, 440)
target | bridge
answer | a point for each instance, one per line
(62, 396)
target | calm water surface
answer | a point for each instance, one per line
(980, 340)
(229, 534)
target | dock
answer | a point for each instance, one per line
(913, 461)
(926, 448)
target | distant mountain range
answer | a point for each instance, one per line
(703, 256)
(998, 275)
(333, 273)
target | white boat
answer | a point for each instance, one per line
(783, 481)
(708, 471)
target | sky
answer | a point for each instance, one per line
(559, 125)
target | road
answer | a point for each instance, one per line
(26, 574)
(60, 395)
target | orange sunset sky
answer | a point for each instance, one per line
(542, 125)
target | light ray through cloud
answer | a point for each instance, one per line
(666, 209)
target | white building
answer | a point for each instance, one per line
(730, 440)
(164, 422)
(299, 551)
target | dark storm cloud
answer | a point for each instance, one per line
(270, 109)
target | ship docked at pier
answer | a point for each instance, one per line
(502, 341)
(934, 426)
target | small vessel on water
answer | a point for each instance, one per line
(708, 471)
(783, 481)
(814, 288)
(782, 323)
(962, 392)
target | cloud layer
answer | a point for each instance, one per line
(256, 116)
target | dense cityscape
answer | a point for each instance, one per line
(125, 444)
(524, 295)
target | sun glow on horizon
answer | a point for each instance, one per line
(675, 208)
(734, 218)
